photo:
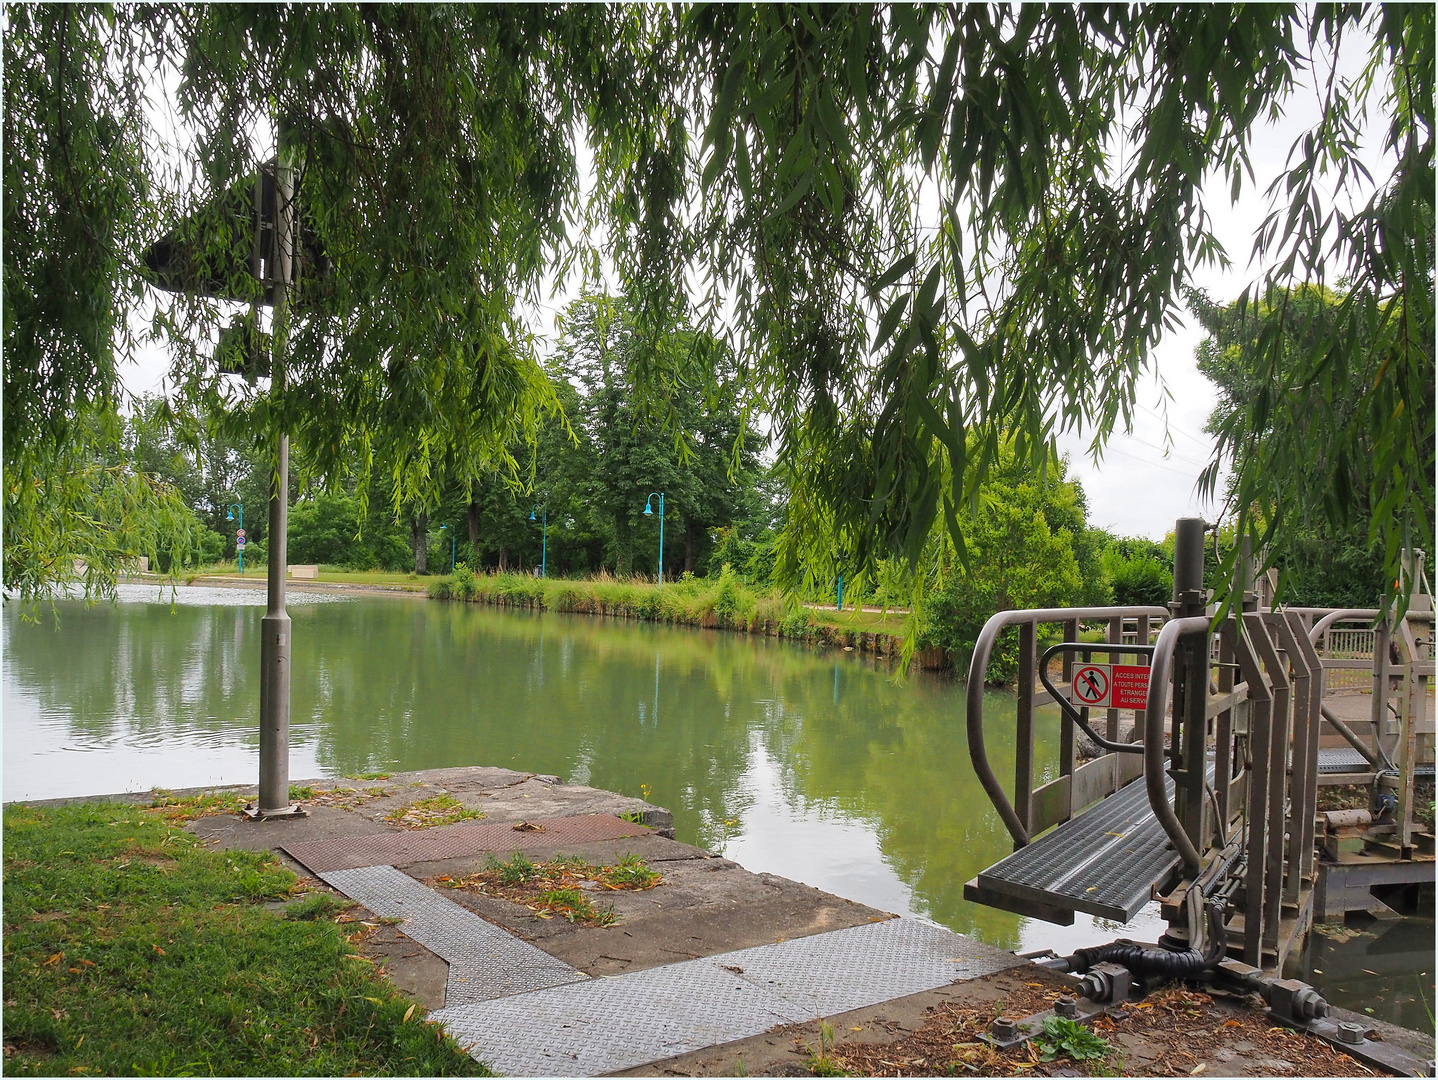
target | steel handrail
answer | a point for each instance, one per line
(1153, 770)
(1341, 615)
(979, 666)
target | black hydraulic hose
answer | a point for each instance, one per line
(1170, 963)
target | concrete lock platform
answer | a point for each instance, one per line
(716, 969)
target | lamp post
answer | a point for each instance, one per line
(238, 509)
(649, 512)
(543, 537)
(442, 528)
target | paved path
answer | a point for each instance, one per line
(527, 1013)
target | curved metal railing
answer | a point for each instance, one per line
(1341, 615)
(1153, 769)
(979, 665)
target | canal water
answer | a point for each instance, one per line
(818, 765)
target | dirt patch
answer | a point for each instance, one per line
(344, 798)
(1173, 1032)
(564, 886)
(428, 813)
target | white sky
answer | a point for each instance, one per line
(1147, 478)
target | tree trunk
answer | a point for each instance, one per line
(692, 533)
(419, 533)
(472, 513)
(623, 545)
(503, 558)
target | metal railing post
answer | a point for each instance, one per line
(1190, 691)
(1024, 750)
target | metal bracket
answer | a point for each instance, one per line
(252, 812)
(1111, 985)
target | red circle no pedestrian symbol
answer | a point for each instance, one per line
(1091, 684)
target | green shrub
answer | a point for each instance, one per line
(464, 587)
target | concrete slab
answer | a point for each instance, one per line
(704, 907)
(652, 848)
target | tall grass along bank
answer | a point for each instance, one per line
(722, 603)
(132, 949)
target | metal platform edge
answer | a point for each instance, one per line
(994, 891)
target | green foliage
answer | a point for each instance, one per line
(1016, 560)
(517, 871)
(318, 905)
(632, 872)
(81, 513)
(908, 215)
(1138, 571)
(464, 585)
(1317, 482)
(1064, 1036)
(131, 948)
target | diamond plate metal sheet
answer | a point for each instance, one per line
(863, 965)
(608, 1024)
(620, 1022)
(484, 961)
(456, 841)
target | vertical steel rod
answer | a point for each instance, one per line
(1024, 750)
(274, 797)
(1190, 725)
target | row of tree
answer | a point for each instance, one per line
(779, 162)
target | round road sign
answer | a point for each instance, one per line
(1091, 684)
(240, 533)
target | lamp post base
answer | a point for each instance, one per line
(252, 812)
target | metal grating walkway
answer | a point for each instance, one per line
(618, 1022)
(457, 841)
(484, 961)
(1345, 759)
(1105, 862)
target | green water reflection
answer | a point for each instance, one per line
(788, 759)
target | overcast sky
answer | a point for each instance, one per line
(1147, 478)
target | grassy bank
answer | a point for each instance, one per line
(723, 603)
(331, 574)
(132, 949)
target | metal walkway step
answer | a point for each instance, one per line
(1105, 862)
(485, 962)
(1345, 759)
(618, 1022)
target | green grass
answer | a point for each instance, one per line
(631, 872)
(328, 573)
(132, 949)
(720, 603)
(1062, 1036)
(442, 809)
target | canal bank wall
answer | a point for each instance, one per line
(703, 969)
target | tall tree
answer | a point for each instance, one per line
(1303, 424)
(1066, 150)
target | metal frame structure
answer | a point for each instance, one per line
(1230, 741)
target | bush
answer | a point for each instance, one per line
(464, 585)
(1138, 571)
(1015, 562)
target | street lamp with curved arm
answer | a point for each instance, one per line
(649, 512)
(239, 545)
